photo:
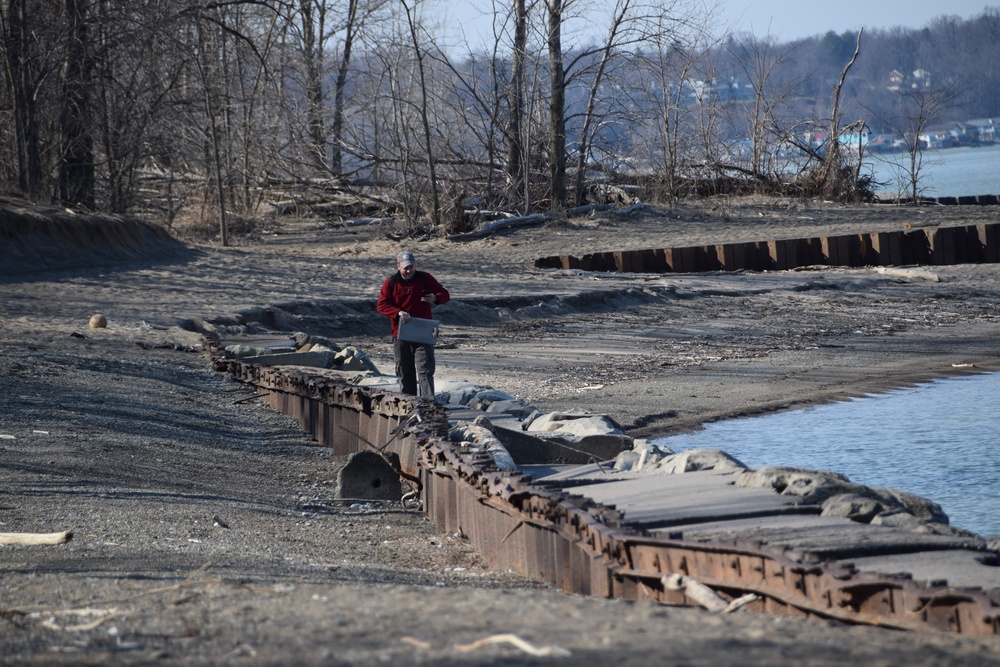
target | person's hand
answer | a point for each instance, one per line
(430, 297)
(404, 316)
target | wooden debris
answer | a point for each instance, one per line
(740, 602)
(479, 436)
(695, 590)
(506, 223)
(105, 615)
(36, 538)
(356, 222)
(514, 640)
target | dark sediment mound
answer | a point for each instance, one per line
(36, 239)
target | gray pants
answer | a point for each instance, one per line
(415, 367)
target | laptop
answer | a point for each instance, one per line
(419, 330)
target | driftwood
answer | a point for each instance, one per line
(704, 595)
(604, 208)
(588, 208)
(477, 435)
(514, 640)
(35, 538)
(631, 209)
(103, 614)
(695, 590)
(506, 223)
(537, 218)
(357, 222)
(325, 207)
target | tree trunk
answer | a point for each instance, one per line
(557, 105)
(515, 128)
(76, 183)
(213, 131)
(424, 119)
(337, 130)
(21, 78)
(588, 116)
(831, 175)
(312, 14)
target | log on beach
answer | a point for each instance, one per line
(34, 539)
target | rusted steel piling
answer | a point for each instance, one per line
(933, 246)
(581, 546)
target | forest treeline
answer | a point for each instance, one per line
(224, 110)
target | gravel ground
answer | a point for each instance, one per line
(205, 526)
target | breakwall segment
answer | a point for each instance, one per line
(966, 200)
(970, 244)
(580, 545)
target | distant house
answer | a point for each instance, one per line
(852, 138)
(983, 129)
(950, 135)
(921, 79)
(696, 90)
(886, 142)
(918, 79)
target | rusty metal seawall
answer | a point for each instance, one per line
(584, 547)
(932, 246)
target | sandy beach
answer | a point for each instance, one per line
(204, 526)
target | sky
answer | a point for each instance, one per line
(788, 20)
(785, 20)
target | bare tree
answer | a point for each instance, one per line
(517, 171)
(142, 107)
(351, 27)
(618, 26)
(557, 106)
(227, 37)
(312, 14)
(30, 58)
(76, 184)
(211, 42)
(419, 55)
(676, 136)
(396, 138)
(761, 61)
(317, 25)
(641, 98)
(831, 178)
(918, 108)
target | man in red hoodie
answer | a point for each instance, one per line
(405, 294)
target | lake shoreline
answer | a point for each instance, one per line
(861, 438)
(962, 171)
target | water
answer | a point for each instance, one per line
(950, 172)
(940, 440)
